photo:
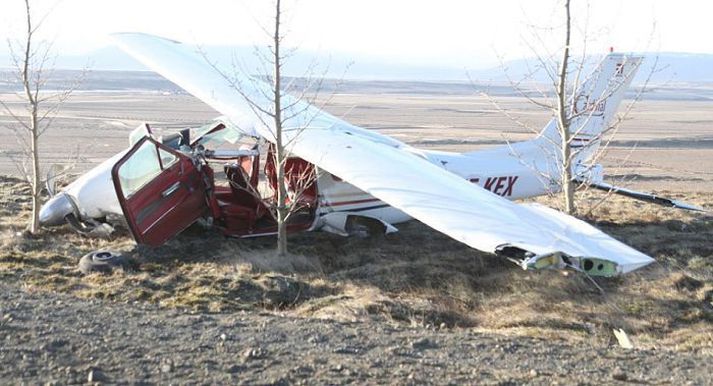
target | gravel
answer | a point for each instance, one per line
(59, 339)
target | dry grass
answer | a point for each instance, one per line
(415, 277)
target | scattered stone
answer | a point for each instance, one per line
(95, 375)
(167, 367)
(314, 339)
(236, 369)
(288, 353)
(303, 370)
(347, 350)
(619, 375)
(279, 382)
(255, 353)
(423, 344)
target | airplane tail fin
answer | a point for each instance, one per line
(595, 104)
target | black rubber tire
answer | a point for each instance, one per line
(102, 261)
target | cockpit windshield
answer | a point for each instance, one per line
(217, 133)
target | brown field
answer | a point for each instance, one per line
(417, 276)
(662, 145)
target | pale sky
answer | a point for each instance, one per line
(443, 32)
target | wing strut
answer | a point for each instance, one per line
(648, 197)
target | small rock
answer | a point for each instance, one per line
(279, 382)
(235, 369)
(303, 370)
(254, 353)
(346, 350)
(423, 344)
(95, 375)
(533, 373)
(619, 375)
(223, 337)
(314, 339)
(167, 367)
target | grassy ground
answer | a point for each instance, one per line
(416, 276)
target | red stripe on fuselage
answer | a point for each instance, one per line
(353, 202)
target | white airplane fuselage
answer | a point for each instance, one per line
(497, 170)
(500, 170)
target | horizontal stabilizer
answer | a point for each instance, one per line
(648, 197)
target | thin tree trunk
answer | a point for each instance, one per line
(563, 123)
(36, 183)
(282, 210)
(34, 225)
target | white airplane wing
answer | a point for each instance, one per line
(540, 237)
(226, 91)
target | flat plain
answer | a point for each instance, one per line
(662, 144)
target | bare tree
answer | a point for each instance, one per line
(572, 102)
(280, 153)
(562, 118)
(33, 63)
(287, 101)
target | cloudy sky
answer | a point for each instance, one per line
(428, 32)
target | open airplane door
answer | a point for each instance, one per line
(161, 192)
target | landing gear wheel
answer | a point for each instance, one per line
(102, 261)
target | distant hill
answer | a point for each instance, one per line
(332, 65)
(672, 67)
(678, 76)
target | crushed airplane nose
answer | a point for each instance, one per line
(55, 211)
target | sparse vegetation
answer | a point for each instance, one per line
(32, 62)
(415, 277)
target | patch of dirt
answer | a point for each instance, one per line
(416, 277)
(53, 338)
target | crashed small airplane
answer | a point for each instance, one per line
(359, 179)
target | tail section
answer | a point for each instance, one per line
(595, 104)
(536, 163)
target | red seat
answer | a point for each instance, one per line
(243, 192)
